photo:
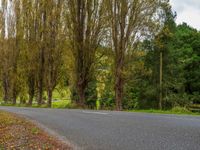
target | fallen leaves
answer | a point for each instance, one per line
(17, 133)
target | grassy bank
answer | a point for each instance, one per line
(55, 104)
(176, 110)
(68, 105)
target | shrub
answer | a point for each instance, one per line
(178, 109)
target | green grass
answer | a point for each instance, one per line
(172, 111)
(55, 104)
(61, 104)
(60, 100)
(34, 130)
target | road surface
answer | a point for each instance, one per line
(106, 130)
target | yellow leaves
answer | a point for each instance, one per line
(6, 120)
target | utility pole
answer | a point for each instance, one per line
(161, 79)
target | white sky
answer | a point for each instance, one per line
(187, 11)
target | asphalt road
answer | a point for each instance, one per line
(105, 130)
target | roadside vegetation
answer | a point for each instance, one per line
(98, 55)
(175, 110)
(17, 133)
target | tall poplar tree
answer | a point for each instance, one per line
(129, 21)
(85, 21)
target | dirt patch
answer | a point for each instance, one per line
(19, 134)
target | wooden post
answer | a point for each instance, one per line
(161, 79)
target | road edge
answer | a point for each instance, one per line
(49, 131)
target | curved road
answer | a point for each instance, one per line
(105, 130)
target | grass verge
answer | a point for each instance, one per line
(18, 133)
(55, 104)
(175, 112)
(67, 104)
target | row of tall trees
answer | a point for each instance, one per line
(32, 47)
(89, 46)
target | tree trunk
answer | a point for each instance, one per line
(41, 77)
(81, 94)
(161, 79)
(40, 93)
(14, 98)
(5, 88)
(42, 53)
(119, 84)
(14, 84)
(49, 98)
(30, 102)
(118, 93)
(31, 86)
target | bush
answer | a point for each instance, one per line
(178, 109)
(61, 104)
(182, 100)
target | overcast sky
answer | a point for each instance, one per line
(187, 11)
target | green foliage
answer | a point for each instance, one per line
(180, 99)
(98, 105)
(62, 104)
(180, 110)
(176, 110)
(91, 95)
(34, 130)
